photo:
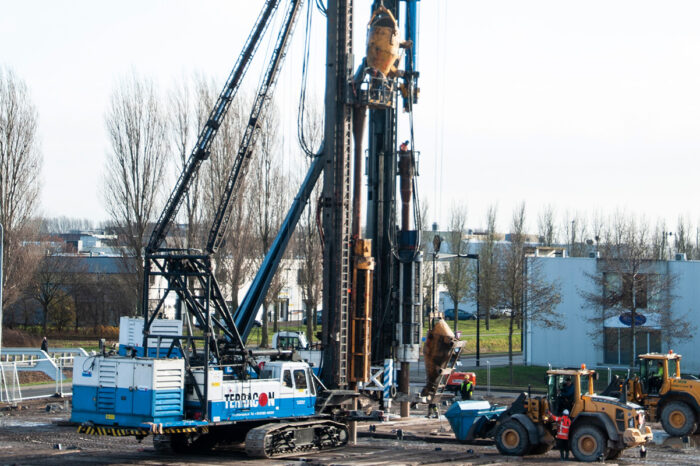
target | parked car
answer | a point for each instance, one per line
(461, 315)
(319, 318)
(504, 312)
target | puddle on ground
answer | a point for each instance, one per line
(690, 442)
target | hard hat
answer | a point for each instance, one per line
(565, 412)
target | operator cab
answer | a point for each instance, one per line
(655, 368)
(561, 392)
(565, 387)
(290, 341)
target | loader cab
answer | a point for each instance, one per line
(648, 366)
(562, 391)
(565, 388)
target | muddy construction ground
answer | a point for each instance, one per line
(37, 433)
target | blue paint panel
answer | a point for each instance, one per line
(125, 402)
(129, 408)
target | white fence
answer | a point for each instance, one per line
(11, 390)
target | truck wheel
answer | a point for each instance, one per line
(588, 444)
(678, 419)
(511, 439)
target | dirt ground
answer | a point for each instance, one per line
(36, 433)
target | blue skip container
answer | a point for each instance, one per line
(469, 419)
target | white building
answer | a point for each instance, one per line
(608, 344)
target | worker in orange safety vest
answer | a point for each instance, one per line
(564, 422)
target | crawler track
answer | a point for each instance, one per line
(284, 439)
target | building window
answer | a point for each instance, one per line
(640, 291)
(617, 345)
(619, 290)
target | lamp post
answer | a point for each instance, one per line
(478, 305)
(437, 241)
(478, 308)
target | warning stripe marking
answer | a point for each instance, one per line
(122, 432)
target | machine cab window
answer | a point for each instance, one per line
(288, 342)
(300, 379)
(651, 375)
(287, 378)
(561, 392)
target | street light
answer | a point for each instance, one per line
(478, 291)
(437, 241)
(478, 308)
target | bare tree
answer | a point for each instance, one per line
(135, 167)
(20, 167)
(628, 282)
(308, 244)
(488, 257)
(50, 288)
(457, 276)
(545, 226)
(519, 285)
(63, 224)
(575, 231)
(659, 240)
(268, 200)
(236, 253)
(683, 243)
(184, 126)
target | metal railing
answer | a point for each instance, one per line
(11, 388)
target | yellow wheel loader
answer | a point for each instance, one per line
(666, 396)
(601, 428)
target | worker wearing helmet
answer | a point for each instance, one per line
(403, 147)
(564, 422)
(466, 389)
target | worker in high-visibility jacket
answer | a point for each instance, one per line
(466, 389)
(564, 422)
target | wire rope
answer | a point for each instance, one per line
(301, 116)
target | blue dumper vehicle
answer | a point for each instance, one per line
(470, 419)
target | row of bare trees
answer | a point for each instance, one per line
(151, 134)
(145, 131)
(506, 278)
(582, 234)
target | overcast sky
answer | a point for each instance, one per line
(590, 106)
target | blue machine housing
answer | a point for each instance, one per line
(127, 391)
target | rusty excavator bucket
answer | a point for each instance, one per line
(441, 351)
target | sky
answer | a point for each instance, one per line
(590, 107)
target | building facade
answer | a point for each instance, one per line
(602, 337)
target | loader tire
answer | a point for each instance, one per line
(589, 443)
(678, 419)
(511, 439)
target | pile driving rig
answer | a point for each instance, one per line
(198, 385)
(201, 386)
